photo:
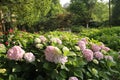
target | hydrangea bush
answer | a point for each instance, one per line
(57, 56)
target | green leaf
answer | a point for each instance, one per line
(63, 73)
(78, 73)
(64, 67)
(59, 77)
(71, 54)
(65, 51)
(46, 66)
(17, 68)
(12, 77)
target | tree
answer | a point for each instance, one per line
(30, 12)
(83, 8)
(56, 8)
(116, 12)
(100, 12)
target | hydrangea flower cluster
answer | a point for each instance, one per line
(109, 58)
(56, 40)
(82, 45)
(17, 53)
(95, 50)
(38, 41)
(2, 48)
(88, 54)
(43, 39)
(95, 47)
(53, 54)
(29, 57)
(73, 78)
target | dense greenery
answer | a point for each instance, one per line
(83, 8)
(71, 52)
(100, 12)
(110, 36)
(115, 12)
(78, 64)
(29, 13)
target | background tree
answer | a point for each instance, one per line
(31, 12)
(56, 8)
(116, 12)
(100, 12)
(83, 8)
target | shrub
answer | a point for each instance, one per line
(57, 56)
(109, 36)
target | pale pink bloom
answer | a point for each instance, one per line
(88, 54)
(37, 40)
(56, 40)
(98, 55)
(102, 46)
(43, 39)
(15, 53)
(73, 78)
(53, 54)
(109, 58)
(1, 45)
(95, 47)
(106, 48)
(60, 59)
(82, 45)
(49, 53)
(29, 57)
(85, 40)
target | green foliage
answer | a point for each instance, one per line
(109, 36)
(83, 8)
(115, 12)
(42, 69)
(56, 8)
(29, 13)
(58, 22)
(100, 12)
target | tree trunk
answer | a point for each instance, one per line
(87, 24)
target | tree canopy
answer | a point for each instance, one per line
(116, 12)
(83, 8)
(100, 12)
(30, 12)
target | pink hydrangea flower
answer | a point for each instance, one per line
(103, 47)
(88, 54)
(73, 78)
(60, 59)
(95, 47)
(43, 39)
(109, 58)
(53, 54)
(29, 57)
(106, 48)
(85, 40)
(15, 53)
(56, 40)
(82, 45)
(49, 53)
(98, 55)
